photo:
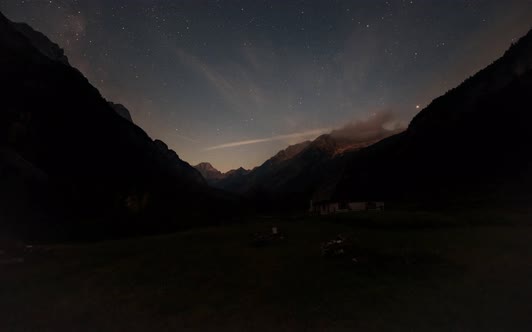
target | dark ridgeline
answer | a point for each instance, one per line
(468, 147)
(225, 181)
(70, 164)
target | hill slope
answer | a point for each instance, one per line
(471, 144)
(68, 156)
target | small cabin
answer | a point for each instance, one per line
(331, 207)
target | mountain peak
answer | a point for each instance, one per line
(208, 171)
(238, 171)
(205, 165)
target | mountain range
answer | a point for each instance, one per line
(468, 146)
(72, 162)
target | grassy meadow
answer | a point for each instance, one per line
(428, 272)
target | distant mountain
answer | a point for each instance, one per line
(242, 181)
(293, 174)
(214, 177)
(70, 163)
(230, 179)
(236, 172)
(209, 172)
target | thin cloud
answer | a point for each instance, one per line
(234, 84)
(303, 134)
(377, 125)
(186, 138)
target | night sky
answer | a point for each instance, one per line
(233, 82)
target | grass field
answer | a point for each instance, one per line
(449, 273)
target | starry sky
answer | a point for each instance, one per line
(233, 82)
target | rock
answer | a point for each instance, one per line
(122, 111)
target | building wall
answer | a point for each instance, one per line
(358, 206)
(328, 208)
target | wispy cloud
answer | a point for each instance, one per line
(377, 125)
(233, 83)
(304, 134)
(186, 138)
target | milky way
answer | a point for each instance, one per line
(232, 82)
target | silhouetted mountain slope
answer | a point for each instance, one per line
(473, 143)
(57, 133)
(44, 45)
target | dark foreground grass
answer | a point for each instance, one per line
(472, 277)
